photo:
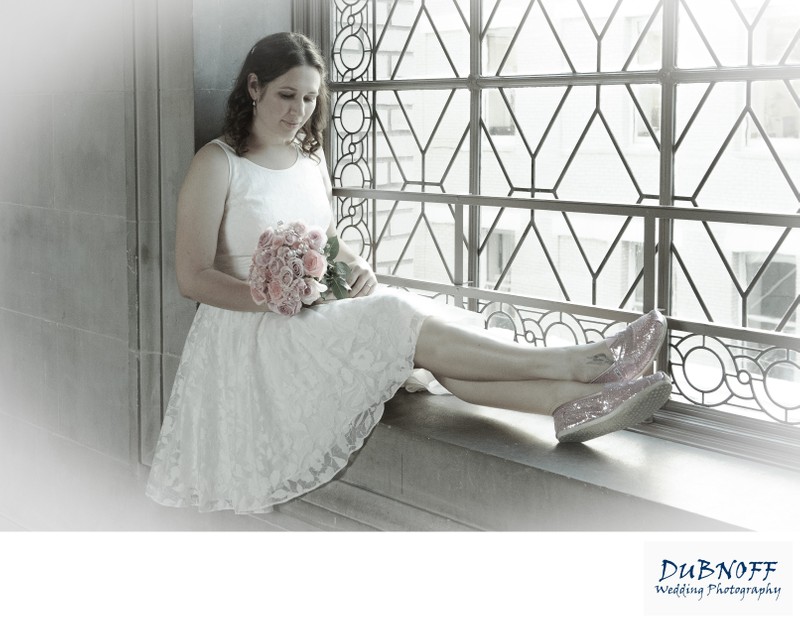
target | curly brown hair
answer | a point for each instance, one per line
(268, 59)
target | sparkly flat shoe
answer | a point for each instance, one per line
(616, 406)
(635, 347)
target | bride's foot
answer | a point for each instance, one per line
(616, 406)
(634, 348)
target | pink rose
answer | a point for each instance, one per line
(309, 291)
(260, 282)
(289, 308)
(315, 264)
(261, 258)
(297, 266)
(256, 276)
(275, 267)
(299, 228)
(290, 238)
(284, 254)
(258, 296)
(286, 277)
(316, 238)
(265, 240)
(288, 305)
(278, 240)
(275, 290)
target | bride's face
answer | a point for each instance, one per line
(286, 103)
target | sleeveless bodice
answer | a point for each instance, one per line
(259, 198)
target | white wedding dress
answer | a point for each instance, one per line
(264, 407)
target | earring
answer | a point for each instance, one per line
(254, 108)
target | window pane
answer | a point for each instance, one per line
(422, 140)
(570, 36)
(735, 275)
(563, 146)
(415, 241)
(732, 156)
(714, 33)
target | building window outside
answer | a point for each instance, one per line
(776, 103)
(649, 120)
(574, 75)
(773, 284)
(502, 57)
(648, 96)
(635, 266)
(498, 251)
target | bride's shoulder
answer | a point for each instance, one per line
(212, 161)
(216, 146)
(215, 151)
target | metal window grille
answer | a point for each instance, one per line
(665, 126)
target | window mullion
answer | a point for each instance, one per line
(663, 293)
(473, 238)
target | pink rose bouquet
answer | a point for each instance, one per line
(293, 265)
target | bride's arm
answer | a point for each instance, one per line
(201, 204)
(362, 280)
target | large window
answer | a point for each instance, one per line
(568, 164)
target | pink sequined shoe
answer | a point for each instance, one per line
(635, 347)
(616, 406)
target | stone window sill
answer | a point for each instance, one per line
(437, 463)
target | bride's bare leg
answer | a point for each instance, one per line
(458, 352)
(541, 397)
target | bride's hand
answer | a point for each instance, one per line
(362, 280)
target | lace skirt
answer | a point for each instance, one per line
(265, 408)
